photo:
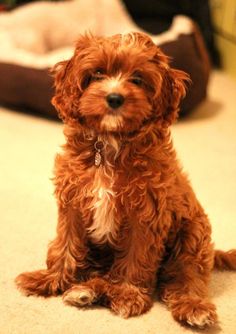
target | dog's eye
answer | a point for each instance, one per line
(137, 79)
(99, 72)
(98, 75)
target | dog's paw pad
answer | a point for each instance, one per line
(79, 296)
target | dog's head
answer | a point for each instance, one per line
(117, 84)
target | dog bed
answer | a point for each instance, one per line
(34, 37)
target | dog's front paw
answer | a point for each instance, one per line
(128, 300)
(41, 283)
(195, 312)
(92, 291)
(79, 295)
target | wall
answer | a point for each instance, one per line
(224, 18)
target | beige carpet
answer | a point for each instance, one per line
(207, 146)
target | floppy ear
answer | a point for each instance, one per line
(65, 90)
(170, 88)
(68, 82)
(173, 90)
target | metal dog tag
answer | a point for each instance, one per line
(98, 157)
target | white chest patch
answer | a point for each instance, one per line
(103, 227)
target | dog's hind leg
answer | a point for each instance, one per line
(66, 260)
(185, 275)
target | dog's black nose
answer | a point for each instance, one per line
(115, 100)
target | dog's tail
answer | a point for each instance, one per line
(225, 260)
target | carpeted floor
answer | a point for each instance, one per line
(206, 143)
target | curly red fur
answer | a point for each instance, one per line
(134, 221)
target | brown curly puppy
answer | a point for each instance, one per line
(128, 217)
